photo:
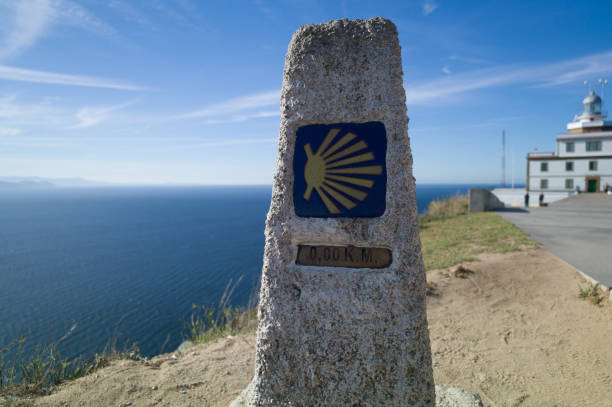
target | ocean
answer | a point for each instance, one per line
(126, 264)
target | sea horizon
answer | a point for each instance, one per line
(126, 264)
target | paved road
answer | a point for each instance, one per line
(576, 229)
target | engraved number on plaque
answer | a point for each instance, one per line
(343, 256)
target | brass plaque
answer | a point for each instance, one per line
(343, 256)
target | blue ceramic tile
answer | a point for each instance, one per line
(340, 170)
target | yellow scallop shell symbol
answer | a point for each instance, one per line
(328, 166)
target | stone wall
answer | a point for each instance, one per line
(481, 200)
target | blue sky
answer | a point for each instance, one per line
(187, 91)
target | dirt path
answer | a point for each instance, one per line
(512, 330)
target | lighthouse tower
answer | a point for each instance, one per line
(592, 118)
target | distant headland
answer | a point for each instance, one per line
(37, 182)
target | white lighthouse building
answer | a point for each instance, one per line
(582, 160)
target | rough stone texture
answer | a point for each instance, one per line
(455, 397)
(243, 398)
(338, 336)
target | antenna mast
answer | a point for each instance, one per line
(603, 82)
(503, 157)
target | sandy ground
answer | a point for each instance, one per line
(515, 332)
(512, 330)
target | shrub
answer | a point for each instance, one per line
(446, 208)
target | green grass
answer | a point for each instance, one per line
(207, 323)
(451, 240)
(592, 293)
(39, 371)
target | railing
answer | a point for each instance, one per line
(540, 154)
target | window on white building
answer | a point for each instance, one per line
(543, 167)
(569, 166)
(543, 184)
(593, 145)
(569, 183)
(569, 147)
(592, 165)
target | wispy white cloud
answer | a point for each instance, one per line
(469, 60)
(429, 6)
(235, 105)
(11, 109)
(25, 116)
(25, 22)
(30, 75)
(91, 116)
(577, 69)
(10, 131)
(244, 117)
(183, 12)
(129, 12)
(51, 116)
(450, 87)
(233, 142)
(72, 14)
(237, 109)
(446, 69)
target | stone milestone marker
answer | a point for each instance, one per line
(342, 317)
